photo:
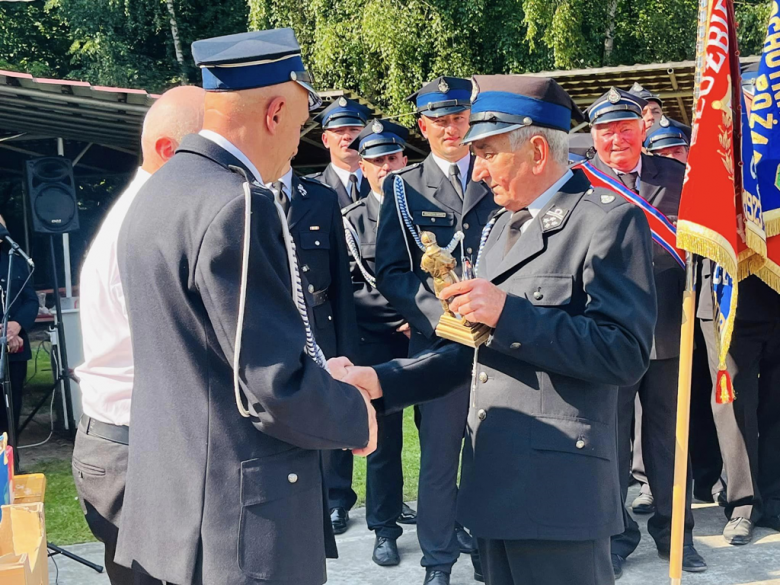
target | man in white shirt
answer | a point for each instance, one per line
(106, 376)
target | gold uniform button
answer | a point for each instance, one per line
(483, 377)
(311, 288)
(515, 345)
(580, 444)
(292, 478)
(482, 415)
(465, 226)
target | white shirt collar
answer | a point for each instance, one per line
(223, 142)
(343, 175)
(463, 168)
(637, 169)
(540, 202)
(286, 181)
(379, 196)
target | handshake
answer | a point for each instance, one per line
(367, 382)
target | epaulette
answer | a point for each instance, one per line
(407, 168)
(360, 202)
(603, 197)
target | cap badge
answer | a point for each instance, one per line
(664, 121)
(637, 87)
(474, 92)
(343, 102)
(443, 86)
(377, 127)
(527, 121)
(607, 198)
(614, 96)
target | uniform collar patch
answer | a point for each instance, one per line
(553, 218)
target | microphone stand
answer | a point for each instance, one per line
(7, 392)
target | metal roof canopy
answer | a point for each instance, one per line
(112, 117)
(672, 82)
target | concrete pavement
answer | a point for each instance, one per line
(755, 564)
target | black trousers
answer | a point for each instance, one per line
(99, 471)
(442, 425)
(749, 427)
(546, 562)
(385, 478)
(657, 392)
(17, 372)
(337, 466)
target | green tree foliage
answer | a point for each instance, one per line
(32, 40)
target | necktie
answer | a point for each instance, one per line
(281, 196)
(455, 180)
(515, 228)
(629, 180)
(354, 192)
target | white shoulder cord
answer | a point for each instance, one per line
(353, 243)
(312, 349)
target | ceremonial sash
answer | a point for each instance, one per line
(663, 231)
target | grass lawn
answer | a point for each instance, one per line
(64, 520)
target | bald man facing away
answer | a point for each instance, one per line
(106, 376)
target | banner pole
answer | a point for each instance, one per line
(683, 423)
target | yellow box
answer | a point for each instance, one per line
(29, 489)
(23, 555)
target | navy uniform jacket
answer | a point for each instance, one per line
(213, 497)
(378, 321)
(540, 460)
(433, 206)
(25, 307)
(315, 223)
(331, 179)
(661, 185)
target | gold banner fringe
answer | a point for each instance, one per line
(756, 242)
(703, 241)
(749, 263)
(772, 223)
(770, 274)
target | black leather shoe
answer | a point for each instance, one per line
(720, 499)
(465, 541)
(408, 516)
(643, 504)
(475, 560)
(772, 522)
(617, 565)
(693, 562)
(386, 552)
(339, 518)
(738, 531)
(434, 577)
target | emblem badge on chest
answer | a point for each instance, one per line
(553, 218)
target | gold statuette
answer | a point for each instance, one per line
(440, 264)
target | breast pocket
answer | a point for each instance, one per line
(314, 257)
(543, 290)
(281, 516)
(426, 219)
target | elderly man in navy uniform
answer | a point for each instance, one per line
(439, 196)
(341, 122)
(231, 403)
(565, 282)
(383, 332)
(314, 218)
(618, 132)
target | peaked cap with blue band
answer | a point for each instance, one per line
(666, 133)
(343, 113)
(645, 94)
(251, 60)
(615, 105)
(502, 103)
(380, 138)
(442, 96)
